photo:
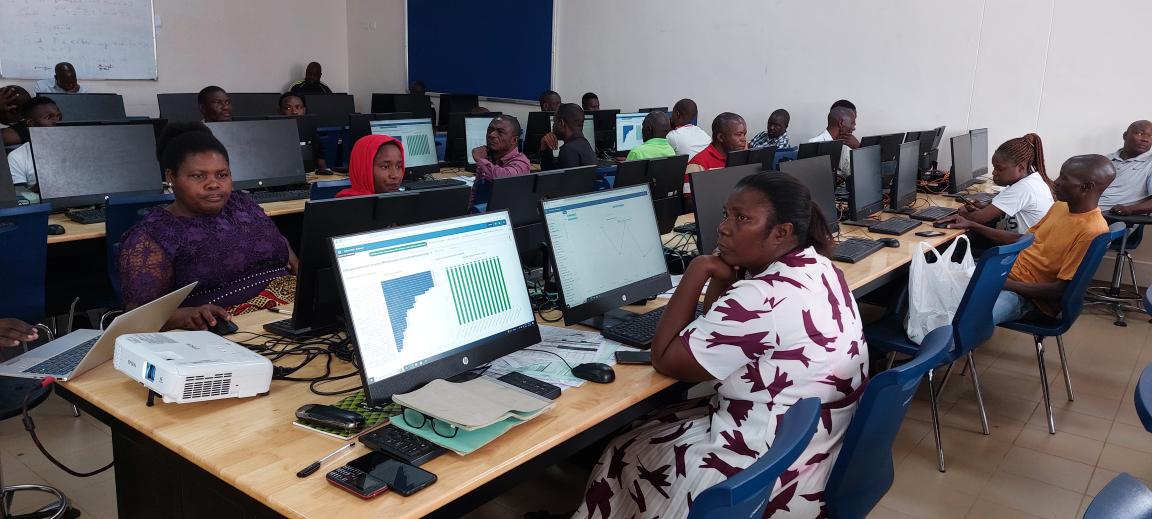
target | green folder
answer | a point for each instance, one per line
(465, 442)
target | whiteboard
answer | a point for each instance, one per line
(103, 39)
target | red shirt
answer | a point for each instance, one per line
(710, 158)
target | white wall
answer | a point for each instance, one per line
(377, 61)
(246, 46)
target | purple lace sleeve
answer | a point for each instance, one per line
(145, 269)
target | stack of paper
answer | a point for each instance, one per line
(558, 349)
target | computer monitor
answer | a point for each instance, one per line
(81, 165)
(565, 182)
(476, 133)
(979, 152)
(432, 300)
(654, 109)
(8, 196)
(822, 187)
(418, 105)
(631, 173)
(179, 107)
(589, 129)
(317, 309)
(360, 125)
(456, 103)
(539, 124)
(710, 191)
(629, 130)
(89, 107)
(246, 104)
(911, 136)
(889, 145)
(457, 149)
(607, 251)
(865, 191)
(520, 197)
(418, 139)
(156, 124)
(903, 192)
(667, 175)
(831, 149)
(262, 153)
(332, 109)
(961, 176)
(736, 158)
(604, 124)
(765, 156)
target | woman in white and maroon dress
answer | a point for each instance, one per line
(782, 326)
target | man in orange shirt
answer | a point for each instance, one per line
(1043, 270)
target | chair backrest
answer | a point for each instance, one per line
(327, 189)
(745, 494)
(121, 212)
(1072, 302)
(1124, 496)
(24, 235)
(973, 324)
(1135, 236)
(863, 471)
(1144, 398)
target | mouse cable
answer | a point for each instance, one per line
(552, 353)
(30, 426)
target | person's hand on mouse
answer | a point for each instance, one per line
(14, 331)
(196, 318)
(955, 222)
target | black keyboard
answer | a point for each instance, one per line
(64, 362)
(532, 385)
(689, 228)
(640, 330)
(894, 226)
(264, 197)
(932, 214)
(431, 184)
(402, 445)
(983, 198)
(855, 249)
(86, 216)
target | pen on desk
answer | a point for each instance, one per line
(307, 471)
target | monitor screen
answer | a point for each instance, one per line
(961, 163)
(710, 191)
(179, 107)
(415, 135)
(607, 249)
(907, 174)
(81, 165)
(629, 132)
(262, 153)
(589, 130)
(432, 300)
(979, 152)
(865, 194)
(89, 107)
(475, 133)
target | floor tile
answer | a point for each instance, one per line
(1100, 477)
(1070, 446)
(1031, 496)
(1131, 436)
(1054, 470)
(987, 509)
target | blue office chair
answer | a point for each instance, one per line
(971, 327)
(745, 494)
(327, 189)
(1123, 497)
(863, 472)
(121, 212)
(1119, 299)
(23, 264)
(1144, 398)
(1071, 303)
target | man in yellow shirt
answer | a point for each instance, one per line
(1043, 270)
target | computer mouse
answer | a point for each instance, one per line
(595, 372)
(889, 242)
(940, 225)
(54, 229)
(223, 327)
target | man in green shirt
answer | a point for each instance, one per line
(655, 132)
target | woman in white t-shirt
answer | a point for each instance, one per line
(1018, 165)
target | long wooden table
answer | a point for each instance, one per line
(239, 457)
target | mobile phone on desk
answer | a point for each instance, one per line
(930, 234)
(354, 479)
(633, 357)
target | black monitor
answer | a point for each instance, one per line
(305, 124)
(316, 310)
(179, 107)
(520, 196)
(156, 124)
(865, 190)
(710, 191)
(8, 196)
(607, 252)
(456, 103)
(937, 137)
(911, 136)
(89, 107)
(418, 139)
(565, 182)
(458, 148)
(418, 105)
(631, 173)
(810, 172)
(831, 149)
(961, 176)
(81, 165)
(432, 300)
(263, 153)
(539, 124)
(765, 156)
(476, 135)
(979, 152)
(667, 176)
(903, 192)
(889, 145)
(654, 109)
(246, 104)
(515, 195)
(332, 109)
(604, 126)
(737, 158)
(360, 125)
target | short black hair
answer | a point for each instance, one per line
(26, 110)
(547, 93)
(587, 97)
(844, 103)
(721, 122)
(572, 115)
(510, 120)
(202, 97)
(181, 139)
(782, 113)
(286, 95)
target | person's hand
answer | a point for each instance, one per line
(293, 263)
(850, 140)
(716, 269)
(1121, 210)
(8, 98)
(549, 141)
(14, 331)
(956, 222)
(479, 153)
(197, 317)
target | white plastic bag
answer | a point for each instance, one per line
(935, 289)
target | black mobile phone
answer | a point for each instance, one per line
(354, 479)
(402, 478)
(633, 357)
(930, 234)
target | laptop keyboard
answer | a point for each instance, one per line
(64, 362)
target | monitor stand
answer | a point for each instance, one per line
(902, 210)
(608, 319)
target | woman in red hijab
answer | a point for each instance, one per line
(376, 166)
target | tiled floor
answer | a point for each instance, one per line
(1019, 470)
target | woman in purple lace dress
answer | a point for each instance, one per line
(221, 239)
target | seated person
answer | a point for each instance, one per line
(1043, 270)
(499, 157)
(841, 124)
(686, 138)
(64, 82)
(654, 130)
(729, 133)
(782, 325)
(38, 112)
(293, 104)
(590, 102)
(375, 166)
(12, 99)
(14, 331)
(776, 134)
(311, 83)
(567, 126)
(549, 101)
(1018, 164)
(1131, 193)
(215, 104)
(208, 234)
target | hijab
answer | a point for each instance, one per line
(361, 164)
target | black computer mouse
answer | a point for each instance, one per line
(54, 229)
(940, 225)
(223, 327)
(889, 242)
(595, 372)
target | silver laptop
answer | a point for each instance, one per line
(73, 354)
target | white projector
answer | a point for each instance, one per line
(187, 367)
